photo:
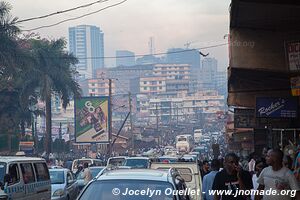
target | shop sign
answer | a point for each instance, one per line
(276, 107)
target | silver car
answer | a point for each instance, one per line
(63, 184)
(118, 185)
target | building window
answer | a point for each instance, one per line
(145, 88)
(93, 90)
(145, 82)
(160, 82)
(93, 84)
(160, 88)
(153, 82)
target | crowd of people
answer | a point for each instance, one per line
(271, 171)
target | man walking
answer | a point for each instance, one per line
(208, 179)
(232, 179)
(86, 175)
(278, 178)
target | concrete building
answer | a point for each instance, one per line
(87, 44)
(152, 85)
(208, 74)
(125, 58)
(172, 71)
(126, 75)
(100, 87)
(187, 56)
(185, 108)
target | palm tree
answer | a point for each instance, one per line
(9, 46)
(53, 73)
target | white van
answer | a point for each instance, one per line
(81, 161)
(24, 178)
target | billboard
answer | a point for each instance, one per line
(295, 85)
(91, 120)
(293, 55)
(276, 107)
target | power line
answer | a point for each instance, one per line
(142, 55)
(61, 12)
(74, 18)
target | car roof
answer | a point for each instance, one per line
(96, 167)
(19, 158)
(138, 158)
(59, 169)
(135, 174)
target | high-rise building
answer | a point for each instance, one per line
(87, 44)
(125, 58)
(209, 74)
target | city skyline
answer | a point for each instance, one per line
(172, 23)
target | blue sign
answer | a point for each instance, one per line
(272, 107)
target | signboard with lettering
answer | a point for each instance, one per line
(244, 118)
(295, 85)
(276, 107)
(293, 55)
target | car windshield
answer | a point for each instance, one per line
(136, 163)
(116, 161)
(2, 171)
(181, 139)
(103, 190)
(57, 177)
(96, 171)
(80, 162)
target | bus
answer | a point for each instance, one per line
(184, 143)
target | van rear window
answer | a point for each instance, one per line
(42, 172)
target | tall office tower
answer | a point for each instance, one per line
(87, 44)
(125, 58)
(209, 73)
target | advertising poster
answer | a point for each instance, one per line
(91, 120)
(293, 55)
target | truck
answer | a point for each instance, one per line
(197, 135)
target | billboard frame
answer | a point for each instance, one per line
(108, 118)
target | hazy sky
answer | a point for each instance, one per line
(129, 26)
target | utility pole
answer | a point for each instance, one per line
(156, 112)
(131, 123)
(110, 119)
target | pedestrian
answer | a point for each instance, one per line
(276, 177)
(205, 168)
(208, 179)
(86, 175)
(232, 178)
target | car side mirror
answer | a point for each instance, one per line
(7, 178)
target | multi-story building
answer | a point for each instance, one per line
(125, 58)
(127, 75)
(172, 71)
(221, 82)
(187, 56)
(208, 74)
(177, 76)
(87, 44)
(152, 85)
(100, 87)
(185, 108)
